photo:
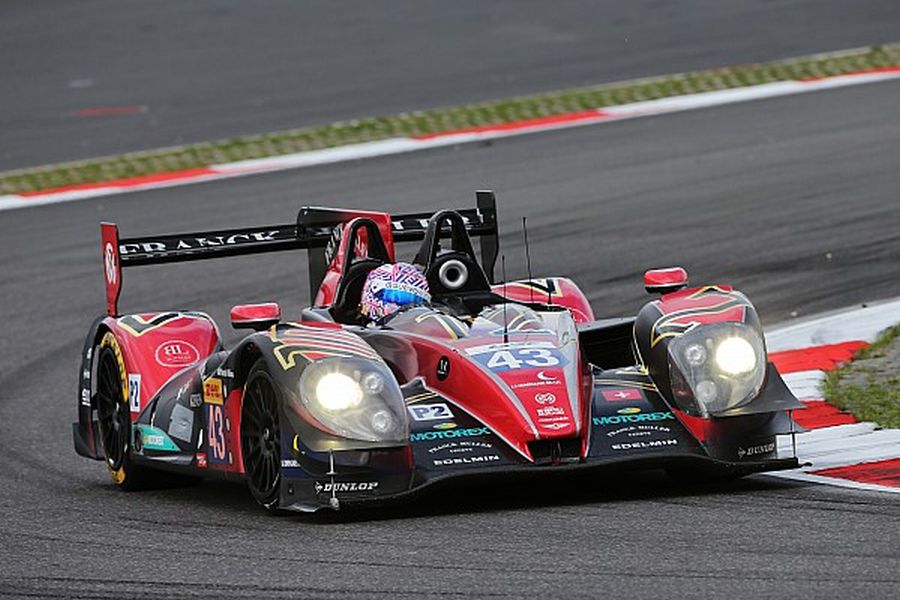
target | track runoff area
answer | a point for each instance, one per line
(835, 448)
(398, 145)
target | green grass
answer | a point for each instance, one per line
(869, 386)
(442, 119)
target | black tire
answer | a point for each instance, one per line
(261, 436)
(114, 420)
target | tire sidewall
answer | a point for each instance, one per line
(109, 344)
(271, 500)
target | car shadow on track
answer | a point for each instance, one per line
(453, 498)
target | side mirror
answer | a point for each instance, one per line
(255, 316)
(664, 281)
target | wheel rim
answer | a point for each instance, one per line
(260, 440)
(113, 415)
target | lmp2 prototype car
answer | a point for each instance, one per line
(328, 410)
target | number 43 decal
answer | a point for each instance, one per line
(521, 358)
(215, 426)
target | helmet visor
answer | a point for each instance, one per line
(399, 297)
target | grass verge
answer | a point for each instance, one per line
(869, 385)
(441, 120)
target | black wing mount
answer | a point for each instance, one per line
(313, 231)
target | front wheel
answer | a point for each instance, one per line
(261, 436)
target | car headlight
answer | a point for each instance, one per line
(336, 391)
(355, 398)
(735, 356)
(714, 368)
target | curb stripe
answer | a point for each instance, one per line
(819, 414)
(821, 358)
(409, 144)
(843, 452)
(541, 123)
(883, 472)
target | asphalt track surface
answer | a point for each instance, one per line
(793, 200)
(211, 69)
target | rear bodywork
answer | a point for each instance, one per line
(532, 383)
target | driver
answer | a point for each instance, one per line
(391, 288)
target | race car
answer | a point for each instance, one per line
(329, 409)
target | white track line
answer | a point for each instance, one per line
(856, 323)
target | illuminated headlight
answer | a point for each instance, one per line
(355, 398)
(715, 368)
(735, 355)
(336, 391)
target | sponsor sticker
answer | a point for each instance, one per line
(181, 423)
(622, 395)
(155, 439)
(461, 447)
(529, 379)
(430, 436)
(444, 425)
(550, 411)
(631, 410)
(177, 354)
(555, 426)
(643, 445)
(344, 486)
(190, 243)
(134, 392)
(213, 392)
(465, 460)
(443, 368)
(546, 398)
(201, 460)
(632, 418)
(430, 412)
(639, 431)
(109, 262)
(758, 450)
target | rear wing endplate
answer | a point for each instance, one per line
(312, 231)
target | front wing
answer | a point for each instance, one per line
(630, 426)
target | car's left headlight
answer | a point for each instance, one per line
(355, 398)
(714, 368)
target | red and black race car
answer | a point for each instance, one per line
(328, 410)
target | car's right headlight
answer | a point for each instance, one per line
(355, 398)
(714, 368)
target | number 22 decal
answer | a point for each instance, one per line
(215, 424)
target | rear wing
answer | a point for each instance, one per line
(313, 231)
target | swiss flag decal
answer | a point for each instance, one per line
(622, 395)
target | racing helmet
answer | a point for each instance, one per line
(390, 287)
